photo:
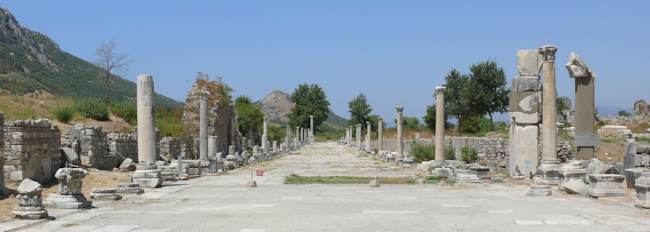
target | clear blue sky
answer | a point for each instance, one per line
(395, 52)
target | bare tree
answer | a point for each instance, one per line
(110, 62)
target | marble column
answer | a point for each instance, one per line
(311, 128)
(296, 139)
(368, 137)
(380, 134)
(585, 109)
(287, 138)
(265, 135)
(212, 147)
(146, 173)
(358, 136)
(440, 124)
(550, 165)
(203, 125)
(400, 139)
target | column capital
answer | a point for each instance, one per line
(577, 67)
(548, 52)
(440, 90)
(400, 109)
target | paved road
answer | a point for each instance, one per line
(221, 203)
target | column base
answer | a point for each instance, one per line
(550, 172)
(71, 201)
(147, 176)
(606, 185)
(574, 180)
(30, 212)
(642, 187)
(539, 191)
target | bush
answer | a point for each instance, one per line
(93, 108)
(449, 153)
(126, 110)
(170, 122)
(423, 152)
(477, 126)
(63, 114)
(468, 154)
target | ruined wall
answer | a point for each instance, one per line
(90, 143)
(2, 160)
(123, 146)
(32, 150)
(493, 151)
(170, 147)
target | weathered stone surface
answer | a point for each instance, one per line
(642, 188)
(31, 150)
(105, 194)
(528, 62)
(30, 203)
(129, 188)
(632, 174)
(128, 165)
(550, 172)
(70, 155)
(574, 180)
(596, 167)
(606, 185)
(71, 201)
(539, 191)
(467, 178)
(482, 172)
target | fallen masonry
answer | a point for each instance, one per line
(30, 202)
(69, 195)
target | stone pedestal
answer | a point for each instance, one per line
(632, 174)
(30, 203)
(574, 180)
(147, 176)
(108, 194)
(482, 172)
(443, 172)
(606, 185)
(642, 188)
(539, 191)
(69, 195)
(129, 188)
(550, 172)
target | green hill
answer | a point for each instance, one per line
(30, 61)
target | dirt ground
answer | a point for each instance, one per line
(95, 179)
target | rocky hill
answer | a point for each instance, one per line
(30, 62)
(277, 105)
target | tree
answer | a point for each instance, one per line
(488, 88)
(430, 118)
(563, 106)
(411, 123)
(309, 100)
(359, 110)
(457, 96)
(624, 113)
(250, 115)
(109, 61)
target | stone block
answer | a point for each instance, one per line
(129, 188)
(631, 174)
(467, 178)
(606, 185)
(482, 172)
(69, 201)
(30, 203)
(528, 62)
(574, 181)
(539, 191)
(109, 194)
(524, 150)
(70, 155)
(642, 188)
(149, 182)
(550, 172)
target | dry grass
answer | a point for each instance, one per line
(95, 179)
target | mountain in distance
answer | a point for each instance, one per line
(277, 106)
(31, 61)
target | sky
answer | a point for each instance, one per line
(395, 52)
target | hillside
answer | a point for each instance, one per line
(31, 61)
(277, 106)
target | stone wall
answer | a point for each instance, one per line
(32, 150)
(493, 151)
(123, 146)
(170, 147)
(90, 143)
(2, 160)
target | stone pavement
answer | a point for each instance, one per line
(221, 203)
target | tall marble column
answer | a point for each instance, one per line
(297, 138)
(349, 136)
(358, 136)
(265, 135)
(203, 125)
(400, 139)
(440, 124)
(585, 137)
(311, 128)
(146, 173)
(380, 134)
(550, 164)
(368, 137)
(287, 138)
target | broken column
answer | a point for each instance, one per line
(69, 195)
(400, 142)
(585, 109)
(265, 135)
(380, 134)
(311, 128)
(440, 124)
(203, 125)
(146, 174)
(2, 158)
(212, 146)
(287, 138)
(642, 186)
(358, 136)
(525, 100)
(550, 166)
(368, 138)
(30, 202)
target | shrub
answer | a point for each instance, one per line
(93, 108)
(63, 114)
(126, 110)
(170, 122)
(449, 153)
(468, 154)
(423, 152)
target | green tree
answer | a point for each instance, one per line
(250, 116)
(624, 113)
(309, 100)
(359, 110)
(430, 118)
(457, 96)
(489, 93)
(411, 123)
